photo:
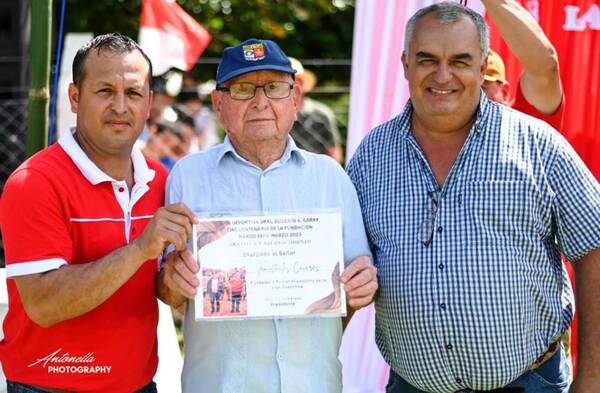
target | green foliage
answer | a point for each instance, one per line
(307, 28)
(103, 16)
(303, 28)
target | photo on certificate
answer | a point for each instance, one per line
(283, 265)
(224, 292)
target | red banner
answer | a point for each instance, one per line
(573, 27)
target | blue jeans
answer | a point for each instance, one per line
(554, 376)
(15, 387)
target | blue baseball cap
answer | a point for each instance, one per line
(252, 55)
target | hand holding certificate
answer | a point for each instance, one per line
(266, 266)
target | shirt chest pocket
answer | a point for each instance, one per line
(505, 210)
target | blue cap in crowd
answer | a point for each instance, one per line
(252, 55)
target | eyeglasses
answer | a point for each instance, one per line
(245, 91)
(427, 226)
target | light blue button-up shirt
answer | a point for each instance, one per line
(269, 355)
(471, 285)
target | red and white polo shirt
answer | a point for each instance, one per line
(59, 208)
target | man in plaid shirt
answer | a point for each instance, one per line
(468, 206)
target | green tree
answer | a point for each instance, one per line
(304, 28)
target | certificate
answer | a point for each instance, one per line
(284, 265)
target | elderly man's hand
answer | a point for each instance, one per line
(179, 273)
(360, 282)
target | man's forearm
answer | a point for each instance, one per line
(540, 82)
(587, 277)
(73, 290)
(523, 35)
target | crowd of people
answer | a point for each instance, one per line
(180, 122)
(455, 216)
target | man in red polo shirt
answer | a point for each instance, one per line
(83, 225)
(539, 92)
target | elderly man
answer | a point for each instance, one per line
(82, 233)
(468, 205)
(259, 168)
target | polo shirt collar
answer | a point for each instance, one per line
(292, 151)
(141, 173)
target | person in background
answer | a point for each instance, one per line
(167, 143)
(191, 103)
(315, 129)
(194, 137)
(539, 91)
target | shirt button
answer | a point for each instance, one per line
(441, 266)
(443, 306)
(458, 380)
(448, 347)
(280, 356)
(440, 229)
(121, 189)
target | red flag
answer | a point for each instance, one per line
(170, 36)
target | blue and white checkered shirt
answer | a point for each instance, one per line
(472, 288)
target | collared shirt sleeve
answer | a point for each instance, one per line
(355, 238)
(173, 188)
(173, 194)
(577, 203)
(34, 228)
(355, 170)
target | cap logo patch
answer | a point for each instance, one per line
(254, 52)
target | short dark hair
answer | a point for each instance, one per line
(114, 42)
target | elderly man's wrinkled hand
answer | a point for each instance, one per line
(180, 269)
(360, 282)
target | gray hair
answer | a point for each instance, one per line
(448, 12)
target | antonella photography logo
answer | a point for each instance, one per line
(65, 363)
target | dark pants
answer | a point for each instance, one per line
(235, 301)
(215, 303)
(15, 387)
(551, 377)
